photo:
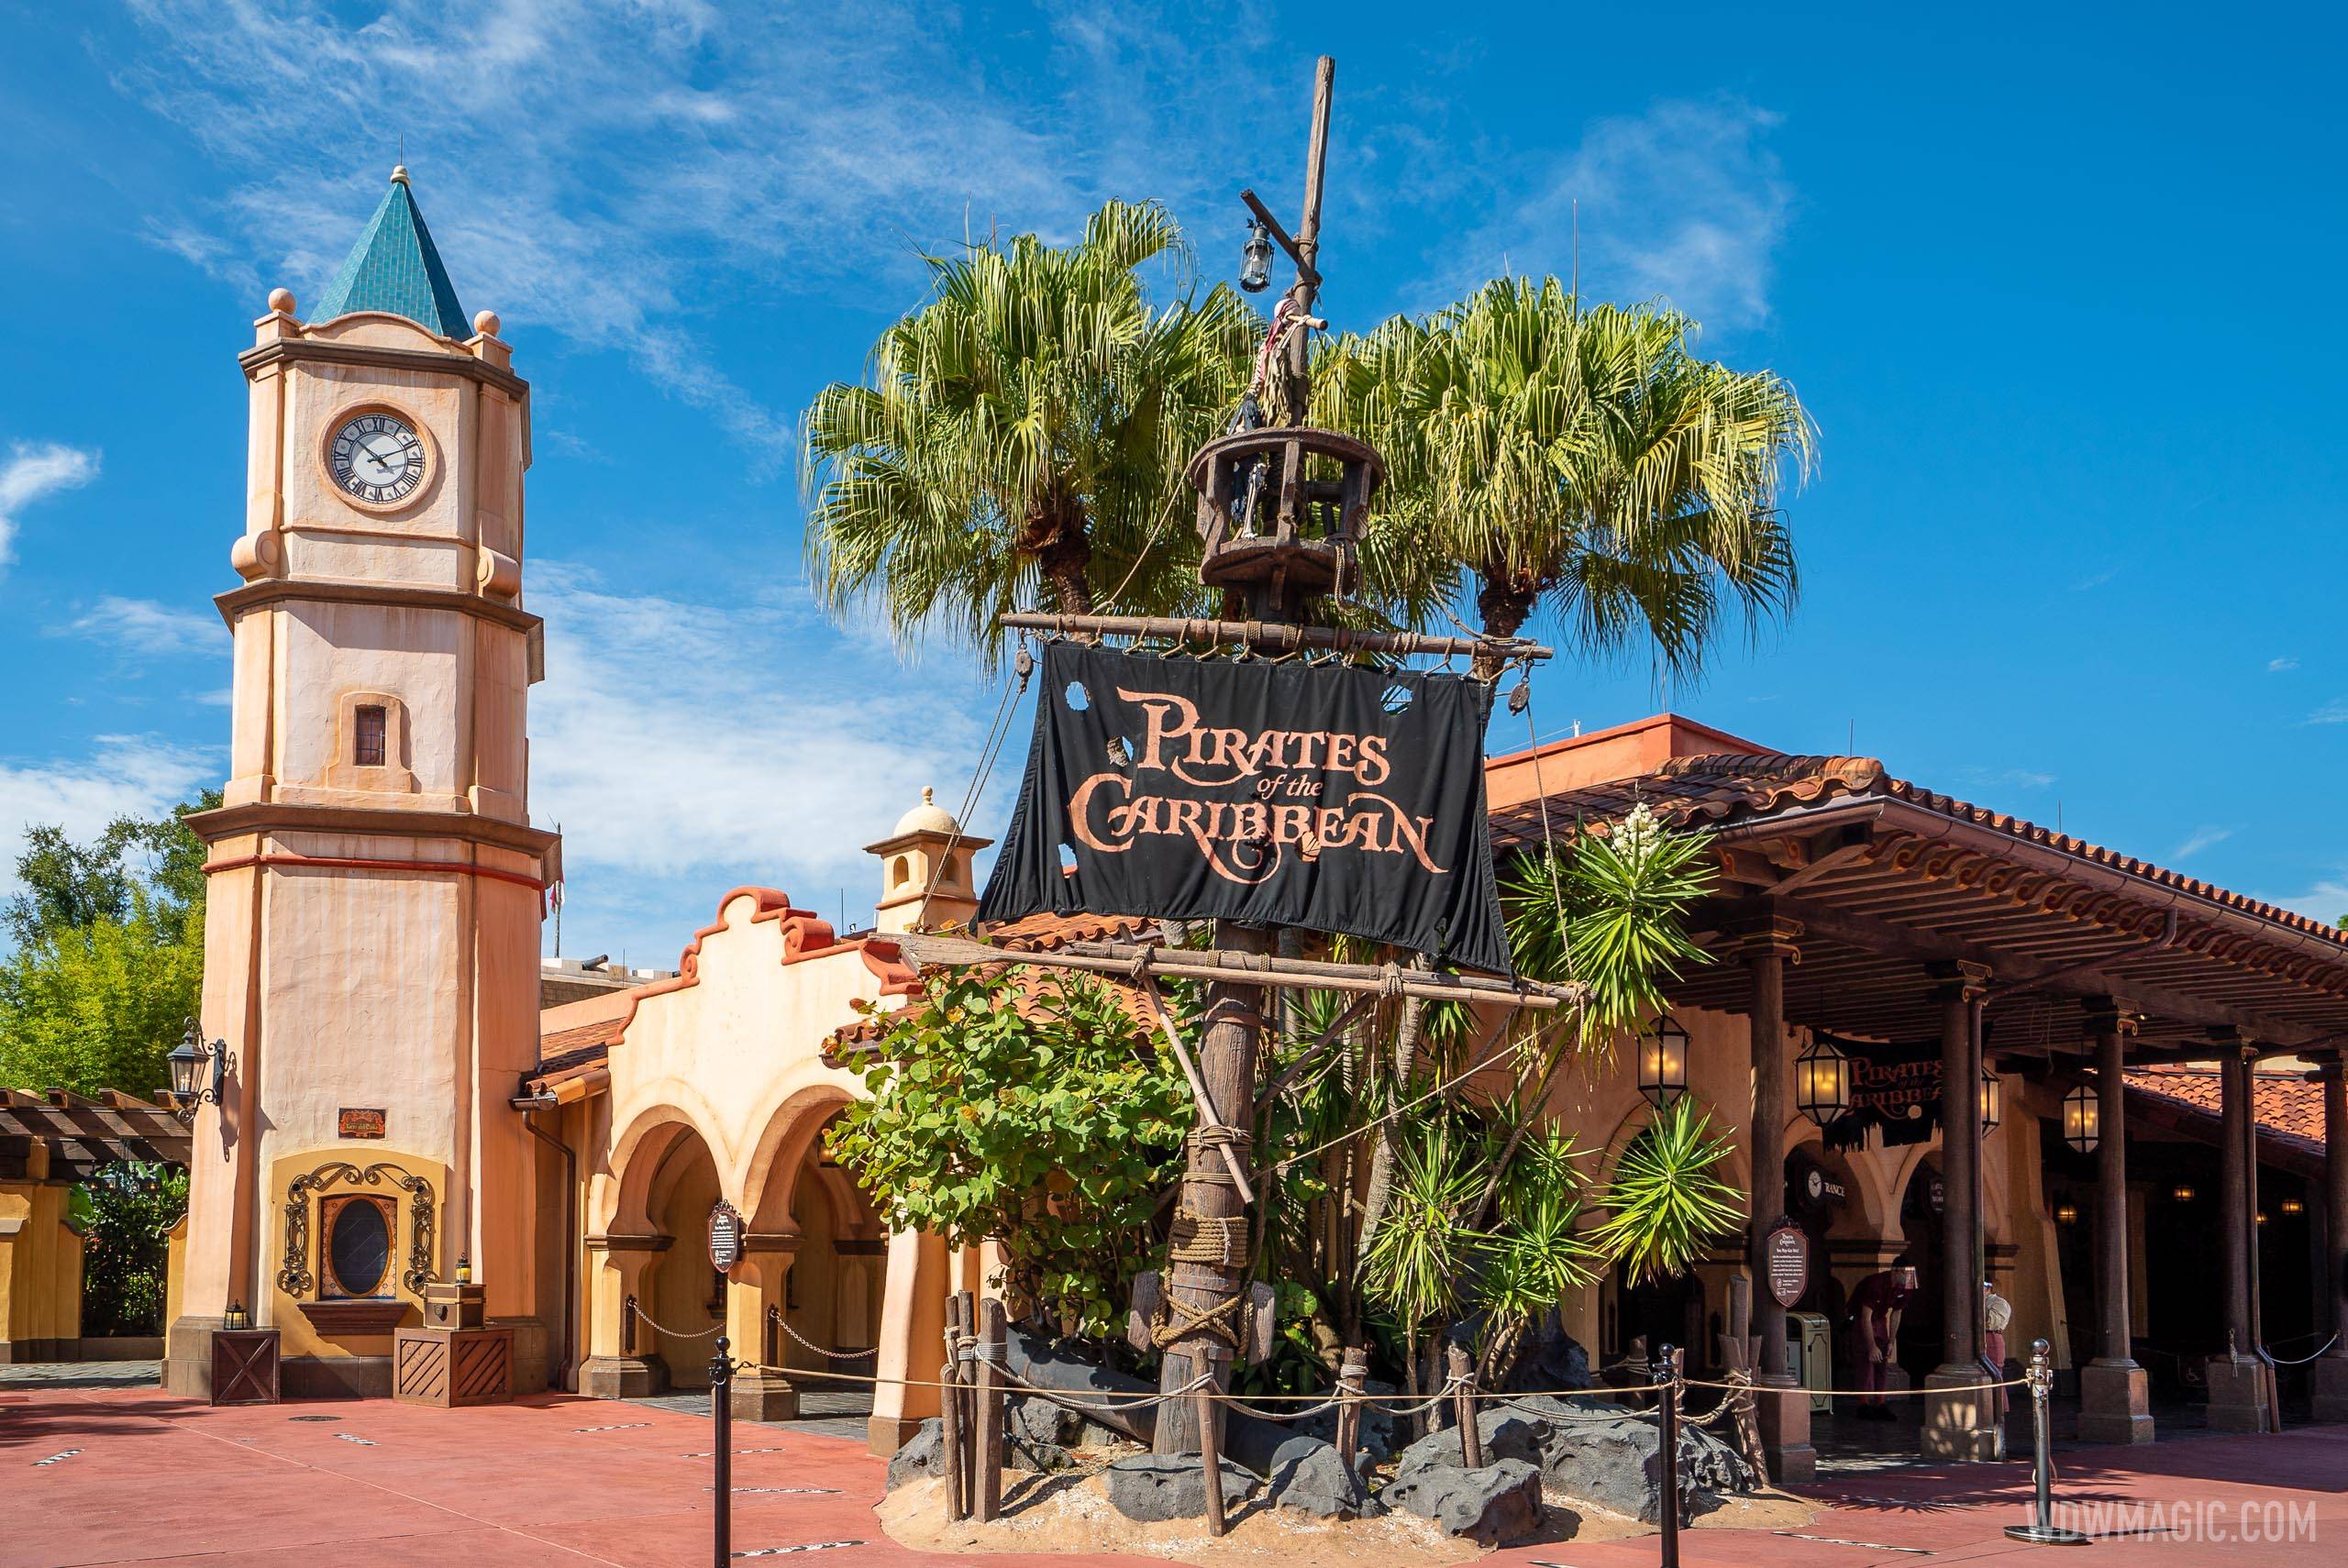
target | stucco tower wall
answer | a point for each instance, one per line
(372, 924)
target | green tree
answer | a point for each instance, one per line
(124, 1211)
(110, 955)
(1547, 451)
(1032, 1110)
(1021, 437)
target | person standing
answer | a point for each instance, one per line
(1996, 1312)
(1875, 1308)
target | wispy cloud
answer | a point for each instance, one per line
(2200, 839)
(35, 469)
(2332, 712)
(2276, 666)
(685, 748)
(1687, 202)
(1974, 776)
(2326, 900)
(614, 170)
(2089, 583)
(144, 626)
(138, 776)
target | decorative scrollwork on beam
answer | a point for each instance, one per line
(293, 1276)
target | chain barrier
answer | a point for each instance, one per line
(784, 1324)
(659, 1327)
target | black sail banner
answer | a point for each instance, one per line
(1334, 798)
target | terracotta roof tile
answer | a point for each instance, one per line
(1714, 789)
(2290, 1109)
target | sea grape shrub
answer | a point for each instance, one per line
(1031, 1109)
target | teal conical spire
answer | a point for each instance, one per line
(394, 267)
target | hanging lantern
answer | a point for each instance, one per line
(1993, 1101)
(1821, 1081)
(1662, 1062)
(2083, 1119)
(1255, 266)
(2182, 1192)
(2067, 1214)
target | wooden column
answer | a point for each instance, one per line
(1960, 1425)
(2331, 1369)
(2237, 1380)
(1227, 1051)
(1785, 1416)
(2115, 1399)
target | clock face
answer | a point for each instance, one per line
(377, 457)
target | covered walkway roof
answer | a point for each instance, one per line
(1887, 878)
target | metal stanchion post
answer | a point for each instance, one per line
(2043, 1531)
(1666, 1404)
(721, 1417)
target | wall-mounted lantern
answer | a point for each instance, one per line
(1821, 1081)
(1662, 1062)
(2083, 1119)
(187, 1061)
(1993, 1101)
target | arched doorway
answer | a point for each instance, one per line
(817, 1269)
(681, 1295)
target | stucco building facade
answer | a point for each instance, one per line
(375, 903)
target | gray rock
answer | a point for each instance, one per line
(1038, 1420)
(1491, 1506)
(1151, 1487)
(1600, 1451)
(924, 1455)
(1307, 1476)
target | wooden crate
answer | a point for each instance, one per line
(244, 1366)
(449, 1367)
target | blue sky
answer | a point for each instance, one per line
(2061, 288)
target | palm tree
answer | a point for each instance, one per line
(1580, 456)
(1022, 438)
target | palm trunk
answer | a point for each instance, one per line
(1389, 1133)
(1504, 601)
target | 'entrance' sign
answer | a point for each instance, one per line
(724, 1237)
(1785, 1253)
(1338, 800)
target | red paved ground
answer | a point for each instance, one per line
(160, 1480)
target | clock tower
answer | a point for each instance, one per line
(374, 882)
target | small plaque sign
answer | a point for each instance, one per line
(358, 1123)
(724, 1237)
(1785, 1251)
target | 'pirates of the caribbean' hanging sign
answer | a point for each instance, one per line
(1337, 800)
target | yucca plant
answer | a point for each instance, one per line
(1666, 1205)
(1609, 912)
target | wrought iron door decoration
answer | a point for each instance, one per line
(295, 1278)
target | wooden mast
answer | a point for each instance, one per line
(1206, 1275)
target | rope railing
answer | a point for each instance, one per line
(2267, 1352)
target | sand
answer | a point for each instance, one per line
(1070, 1511)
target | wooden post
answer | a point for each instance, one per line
(1956, 1423)
(949, 1408)
(1352, 1373)
(1461, 1368)
(2330, 1371)
(1208, 1414)
(2115, 1395)
(1784, 1409)
(994, 1339)
(1308, 240)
